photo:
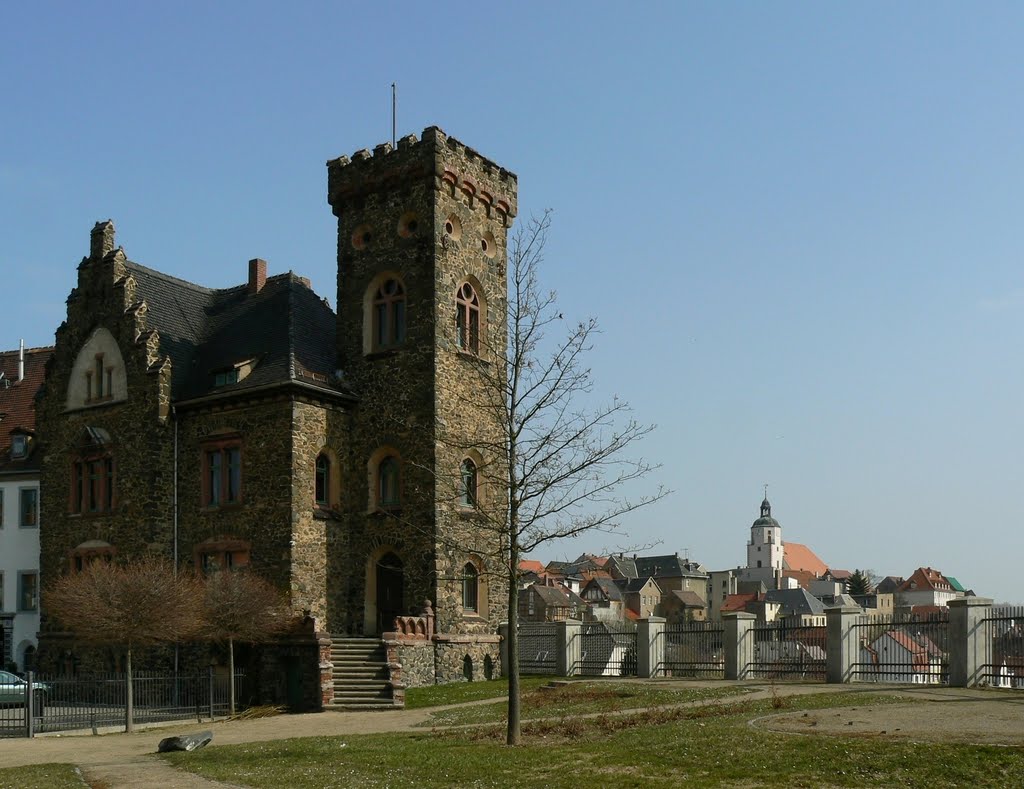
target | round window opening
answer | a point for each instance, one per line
(361, 237)
(408, 224)
(453, 227)
(487, 244)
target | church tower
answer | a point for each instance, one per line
(765, 550)
(421, 316)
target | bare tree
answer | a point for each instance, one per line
(241, 606)
(554, 461)
(133, 605)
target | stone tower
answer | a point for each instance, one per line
(422, 235)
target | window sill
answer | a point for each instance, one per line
(473, 358)
(381, 353)
(326, 513)
(235, 505)
(391, 510)
(97, 514)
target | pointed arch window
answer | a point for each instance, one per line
(322, 493)
(467, 319)
(470, 587)
(388, 328)
(468, 479)
(387, 482)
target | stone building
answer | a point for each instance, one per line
(340, 455)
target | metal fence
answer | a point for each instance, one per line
(537, 648)
(692, 649)
(607, 649)
(786, 650)
(1004, 628)
(100, 701)
(907, 648)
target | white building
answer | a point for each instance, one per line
(765, 551)
(21, 374)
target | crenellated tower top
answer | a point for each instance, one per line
(434, 157)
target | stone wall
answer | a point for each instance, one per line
(441, 660)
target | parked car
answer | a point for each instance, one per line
(14, 691)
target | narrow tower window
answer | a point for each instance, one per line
(389, 315)
(467, 319)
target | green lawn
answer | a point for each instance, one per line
(459, 692)
(705, 746)
(580, 698)
(41, 776)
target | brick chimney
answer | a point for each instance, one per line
(257, 275)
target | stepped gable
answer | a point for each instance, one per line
(18, 404)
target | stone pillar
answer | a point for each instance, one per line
(842, 644)
(503, 633)
(970, 642)
(568, 647)
(324, 644)
(650, 647)
(739, 643)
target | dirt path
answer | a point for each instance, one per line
(126, 761)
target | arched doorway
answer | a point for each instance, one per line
(390, 590)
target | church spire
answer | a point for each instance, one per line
(766, 508)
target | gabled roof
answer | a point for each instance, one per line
(689, 599)
(670, 566)
(799, 557)
(926, 578)
(795, 602)
(530, 566)
(635, 584)
(18, 404)
(955, 584)
(608, 587)
(552, 596)
(889, 584)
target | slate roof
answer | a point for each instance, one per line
(552, 596)
(795, 601)
(689, 599)
(670, 566)
(607, 586)
(18, 405)
(634, 584)
(286, 329)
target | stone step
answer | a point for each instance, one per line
(361, 682)
(381, 674)
(335, 706)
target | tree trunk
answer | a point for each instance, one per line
(231, 671)
(129, 711)
(512, 736)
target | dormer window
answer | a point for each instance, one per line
(225, 377)
(19, 446)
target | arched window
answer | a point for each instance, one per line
(468, 484)
(388, 327)
(322, 485)
(470, 587)
(467, 319)
(387, 482)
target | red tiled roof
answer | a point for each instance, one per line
(799, 557)
(803, 577)
(531, 566)
(926, 578)
(739, 602)
(17, 401)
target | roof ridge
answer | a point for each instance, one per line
(36, 349)
(170, 277)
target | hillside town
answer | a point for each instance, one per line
(781, 581)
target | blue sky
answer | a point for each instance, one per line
(798, 223)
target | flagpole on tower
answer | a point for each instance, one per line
(394, 103)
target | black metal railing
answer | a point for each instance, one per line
(607, 649)
(98, 702)
(691, 649)
(537, 648)
(1004, 628)
(788, 650)
(901, 648)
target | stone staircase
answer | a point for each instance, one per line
(361, 677)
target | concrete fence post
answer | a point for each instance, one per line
(970, 642)
(503, 647)
(568, 647)
(739, 643)
(842, 645)
(650, 647)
